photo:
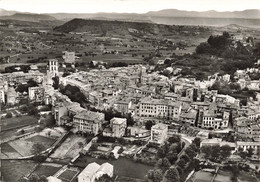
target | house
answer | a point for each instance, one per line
(89, 173)
(11, 96)
(53, 67)
(123, 105)
(118, 126)
(2, 96)
(105, 168)
(94, 171)
(217, 141)
(159, 133)
(135, 131)
(88, 122)
(247, 145)
(69, 57)
(60, 109)
(36, 94)
(208, 120)
(189, 117)
(159, 108)
(53, 179)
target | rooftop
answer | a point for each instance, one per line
(160, 126)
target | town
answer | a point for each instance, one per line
(147, 117)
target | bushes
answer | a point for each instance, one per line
(9, 115)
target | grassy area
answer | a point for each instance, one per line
(246, 177)
(13, 122)
(13, 170)
(122, 166)
(5, 148)
(67, 175)
(46, 142)
(47, 169)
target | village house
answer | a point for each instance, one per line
(117, 128)
(69, 57)
(246, 145)
(88, 122)
(159, 108)
(36, 94)
(123, 105)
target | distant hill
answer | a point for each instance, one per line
(4, 12)
(247, 14)
(249, 18)
(29, 17)
(123, 28)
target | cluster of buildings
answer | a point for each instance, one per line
(145, 96)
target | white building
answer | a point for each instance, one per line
(69, 57)
(2, 96)
(247, 145)
(53, 66)
(159, 108)
(94, 171)
(118, 126)
(89, 173)
(36, 93)
(159, 133)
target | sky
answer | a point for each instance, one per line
(125, 6)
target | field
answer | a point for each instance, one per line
(16, 122)
(202, 176)
(47, 169)
(69, 148)
(42, 140)
(24, 146)
(122, 166)
(68, 175)
(13, 170)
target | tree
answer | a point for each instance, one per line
(250, 152)
(186, 158)
(182, 163)
(225, 151)
(215, 152)
(37, 148)
(174, 139)
(48, 120)
(104, 178)
(56, 82)
(33, 178)
(171, 175)
(33, 110)
(163, 164)
(242, 153)
(80, 144)
(190, 152)
(197, 141)
(43, 179)
(129, 120)
(148, 125)
(155, 175)
(206, 150)
(9, 115)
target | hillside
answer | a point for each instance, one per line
(248, 18)
(29, 17)
(115, 27)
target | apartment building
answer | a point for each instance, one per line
(159, 133)
(159, 108)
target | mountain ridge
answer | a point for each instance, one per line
(247, 14)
